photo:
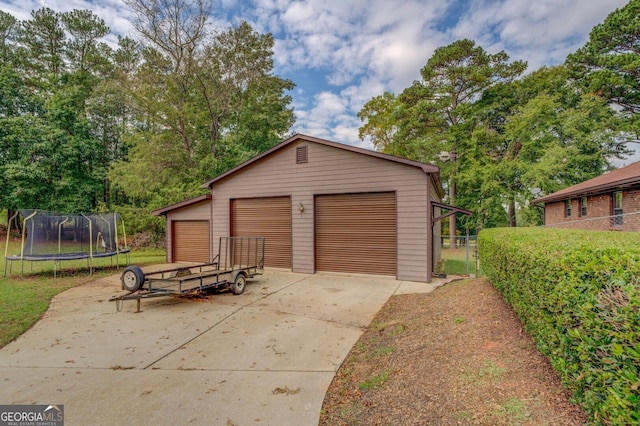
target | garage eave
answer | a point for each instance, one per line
(186, 203)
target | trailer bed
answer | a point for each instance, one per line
(238, 258)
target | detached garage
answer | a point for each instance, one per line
(322, 206)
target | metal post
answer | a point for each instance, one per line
(90, 259)
(466, 254)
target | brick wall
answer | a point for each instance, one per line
(599, 213)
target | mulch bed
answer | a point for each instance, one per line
(458, 355)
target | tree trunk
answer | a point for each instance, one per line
(452, 219)
(511, 212)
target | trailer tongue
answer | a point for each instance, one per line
(238, 259)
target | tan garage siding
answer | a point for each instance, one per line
(269, 218)
(356, 233)
(200, 211)
(331, 170)
(191, 241)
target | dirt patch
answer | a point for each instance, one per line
(456, 356)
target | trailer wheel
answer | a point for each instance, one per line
(239, 283)
(132, 278)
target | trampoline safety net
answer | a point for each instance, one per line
(59, 236)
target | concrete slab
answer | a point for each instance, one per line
(347, 299)
(165, 397)
(411, 287)
(264, 357)
(263, 339)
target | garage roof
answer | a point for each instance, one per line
(180, 205)
(426, 168)
(617, 179)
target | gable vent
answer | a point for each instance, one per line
(301, 155)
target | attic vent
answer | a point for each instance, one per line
(301, 154)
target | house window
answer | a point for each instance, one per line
(301, 155)
(617, 208)
(567, 208)
(583, 206)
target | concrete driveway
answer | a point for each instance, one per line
(265, 357)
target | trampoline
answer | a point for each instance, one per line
(56, 237)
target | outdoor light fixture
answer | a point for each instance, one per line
(301, 207)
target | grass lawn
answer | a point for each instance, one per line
(455, 261)
(24, 300)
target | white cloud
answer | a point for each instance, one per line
(365, 47)
(541, 32)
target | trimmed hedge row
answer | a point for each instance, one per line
(577, 294)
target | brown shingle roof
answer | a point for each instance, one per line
(616, 179)
(426, 168)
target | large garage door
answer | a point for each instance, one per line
(191, 241)
(356, 233)
(269, 218)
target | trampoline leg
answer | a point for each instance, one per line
(5, 267)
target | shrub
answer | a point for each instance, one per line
(140, 220)
(147, 240)
(577, 294)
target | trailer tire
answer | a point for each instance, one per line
(132, 278)
(239, 283)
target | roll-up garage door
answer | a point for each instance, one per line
(191, 241)
(356, 233)
(269, 218)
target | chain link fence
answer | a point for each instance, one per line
(620, 222)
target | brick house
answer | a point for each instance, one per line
(610, 202)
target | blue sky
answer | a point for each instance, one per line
(341, 53)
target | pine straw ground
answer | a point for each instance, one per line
(457, 356)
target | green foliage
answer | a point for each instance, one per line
(84, 127)
(138, 219)
(609, 64)
(432, 110)
(205, 103)
(515, 138)
(381, 123)
(578, 295)
(531, 137)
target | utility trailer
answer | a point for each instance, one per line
(238, 259)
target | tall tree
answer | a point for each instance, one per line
(174, 30)
(86, 29)
(432, 115)
(203, 101)
(8, 33)
(531, 137)
(241, 96)
(609, 63)
(43, 38)
(381, 124)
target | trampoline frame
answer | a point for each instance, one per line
(57, 258)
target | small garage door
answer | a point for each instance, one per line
(356, 233)
(191, 241)
(269, 218)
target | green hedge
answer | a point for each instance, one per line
(577, 294)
